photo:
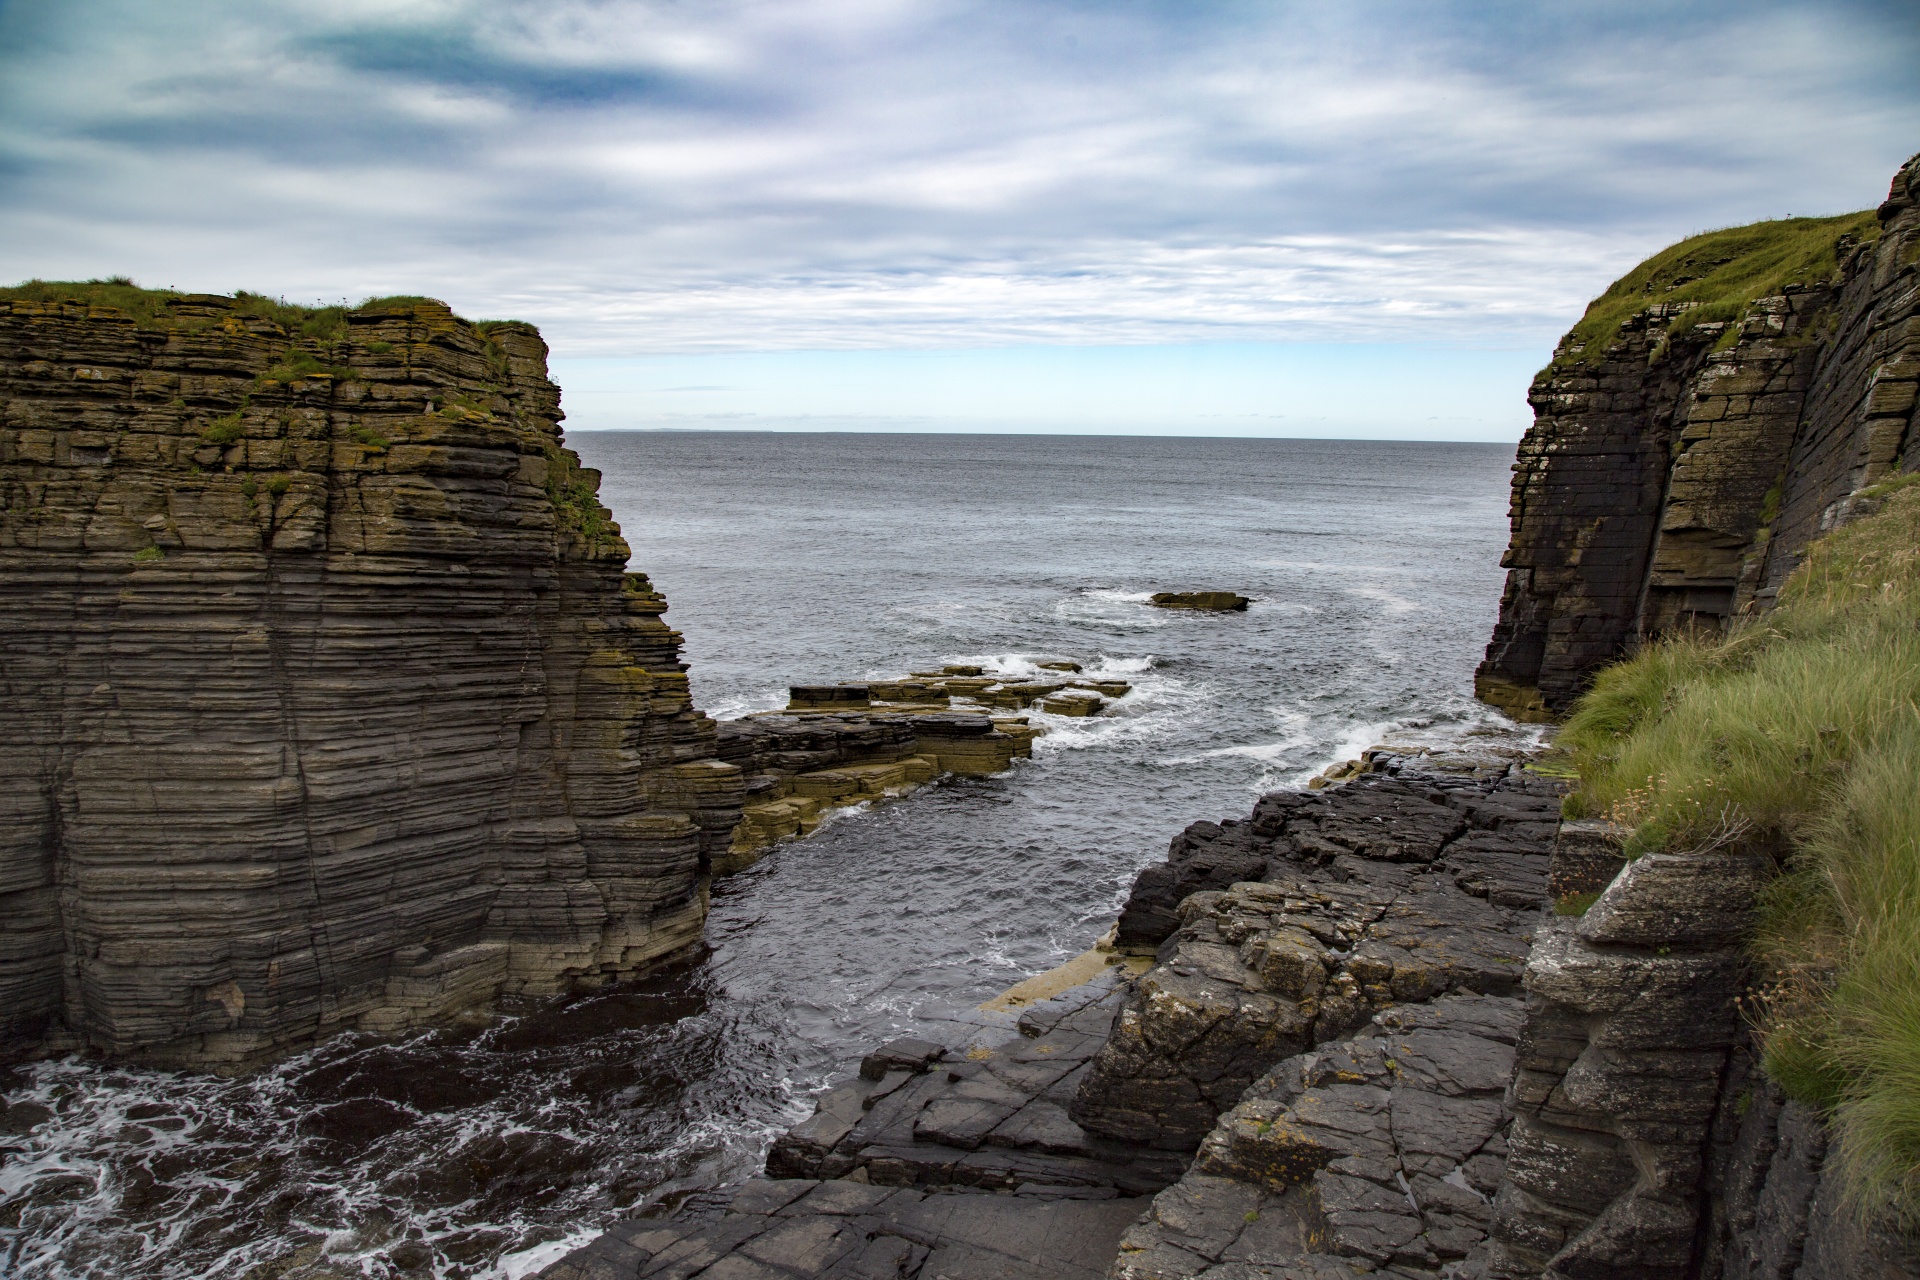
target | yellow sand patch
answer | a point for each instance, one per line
(1080, 970)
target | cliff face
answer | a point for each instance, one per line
(1672, 479)
(1675, 482)
(329, 702)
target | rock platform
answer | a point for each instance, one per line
(1227, 1114)
(844, 744)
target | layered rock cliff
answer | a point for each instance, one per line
(1676, 468)
(1675, 481)
(329, 701)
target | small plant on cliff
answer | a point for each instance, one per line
(148, 555)
(1718, 275)
(576, 506)
(1801, 731)
(371, 439)
(225, 430)
(297, 364)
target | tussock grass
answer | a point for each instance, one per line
(1801, 730)
(1721, 273)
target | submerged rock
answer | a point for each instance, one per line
(1216, 601)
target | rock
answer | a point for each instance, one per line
(1380, 1150)
(798, 764)
(1073, 702)
(336, 706)
(828, 697)
(1620, 1070)
(909, 1055)
(1213, 601)
(1356, 907)
(855, 1231)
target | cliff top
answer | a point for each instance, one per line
(1717, 275)
(171, 309)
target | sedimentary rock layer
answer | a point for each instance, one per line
(1672, 480)
(329, 701)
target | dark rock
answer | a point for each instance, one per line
(901, 1055)
(1215, 601)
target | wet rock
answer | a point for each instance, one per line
(855, 1231)
(1214, 601)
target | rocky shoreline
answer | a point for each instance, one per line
(1193, 1119)
(1385, 1032)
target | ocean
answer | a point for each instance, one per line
(792, 559)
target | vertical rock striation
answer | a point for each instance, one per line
(330, 703)
(1672, 479)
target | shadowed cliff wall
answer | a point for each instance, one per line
(329, 703)
(1671, 480)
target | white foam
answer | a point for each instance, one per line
(526, 1262)
(1396, 606)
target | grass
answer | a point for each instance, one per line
(1800, 732)
(224, 430)
(1721, 273)
(153, 308)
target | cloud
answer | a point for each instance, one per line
(645, 176)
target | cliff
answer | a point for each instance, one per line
(330, 703)
(1710, 415)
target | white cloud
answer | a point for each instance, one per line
(640, 176)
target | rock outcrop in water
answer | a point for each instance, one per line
(329, 701)
(1672, 480)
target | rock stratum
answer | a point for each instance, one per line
(330, 701)
(1676, 469)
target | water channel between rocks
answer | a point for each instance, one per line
(797, 559)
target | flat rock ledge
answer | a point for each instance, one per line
(1308, 1083)
(836, 745)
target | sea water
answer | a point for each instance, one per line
(791, 559)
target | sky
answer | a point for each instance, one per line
(1370, 218)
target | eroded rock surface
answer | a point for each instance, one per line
(329, 701)
(1383, 1150)
(1399, 886)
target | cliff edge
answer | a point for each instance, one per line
(330, 703)
(1711, 414)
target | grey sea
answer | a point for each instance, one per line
(805, 559)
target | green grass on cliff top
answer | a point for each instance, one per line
(1722, 272)
(153, 308)
(1799, 733)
